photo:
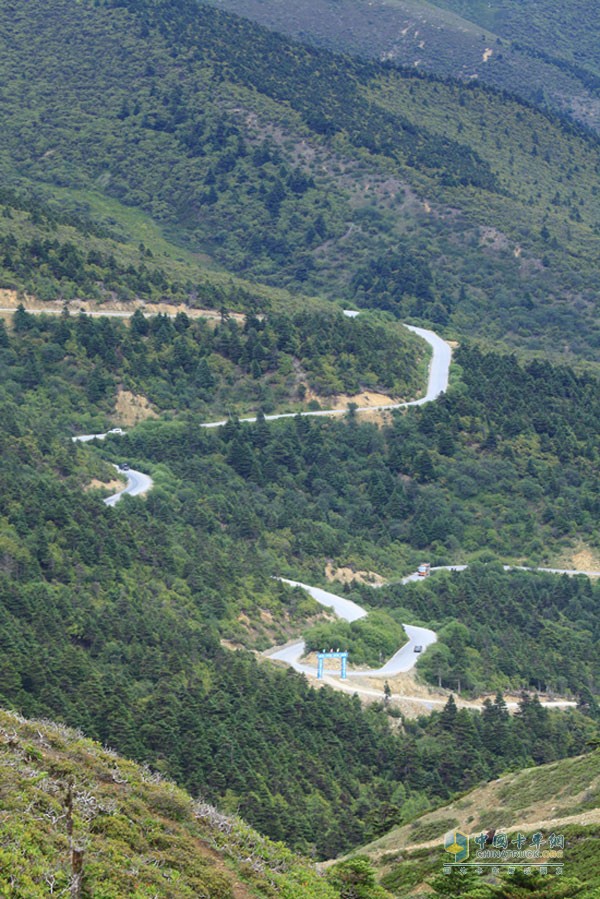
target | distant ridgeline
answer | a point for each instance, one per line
(324, 89)
(295, 168)
(539, 51)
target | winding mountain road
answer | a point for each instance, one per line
(401, 661)
(138, 483)
(406, 657)
(571, 572)
(437, 383)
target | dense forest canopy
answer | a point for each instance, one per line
(294, 168)
(112, 618)
(155, 151)
(534, 631)
(285, 361)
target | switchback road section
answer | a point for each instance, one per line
(401, 661)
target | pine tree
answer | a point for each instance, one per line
(448, 715)
(204, 377)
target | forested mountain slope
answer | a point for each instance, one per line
(151, 149)
(283, 363)
(563, 34)
(543, 632)
(113, 620)
(543, 52)
(298, 168)
(67, 248)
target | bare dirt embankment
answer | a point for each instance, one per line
(342, 401)
(10, 300)
(348, 575)
(96, 484)
(370, 403)
(584, 558)
(410, 696)
(131, 408)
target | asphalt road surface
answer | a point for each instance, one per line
(403, 660)
(406, 657)
(437, 383)
(137, 484)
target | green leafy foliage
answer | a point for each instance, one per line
(188, 364)
(517, 630)
(112, 618)
(457, 474)
(539, 51)
(540, 25)
(355, 879)
(295, 168)
(488, 472)
(121, 621)
(65, 249)
(369, 641)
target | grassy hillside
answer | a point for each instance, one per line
(560, 798)
(543, 52)
(79, 819)
(296, 168)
